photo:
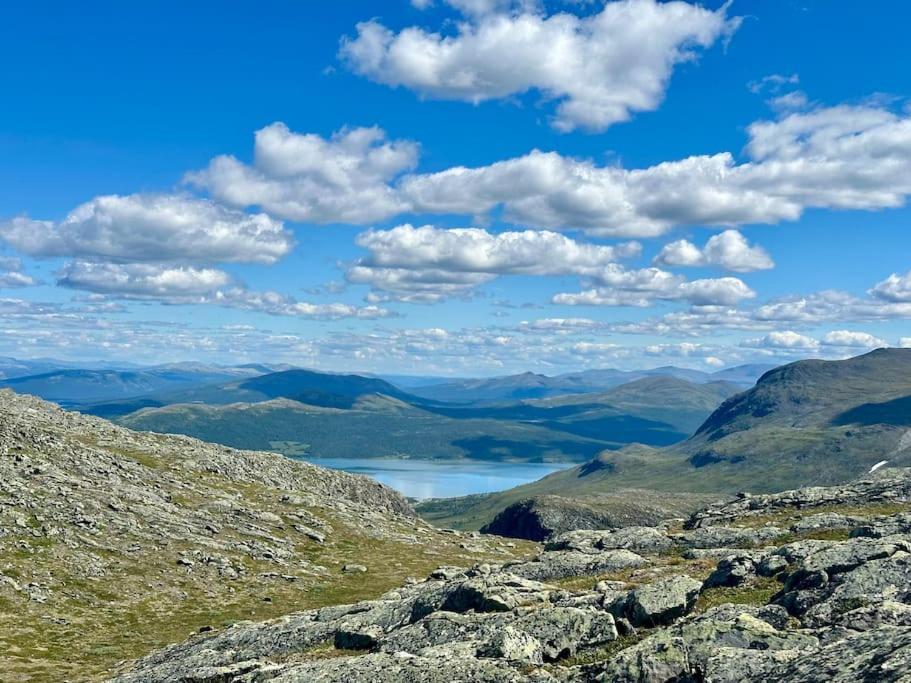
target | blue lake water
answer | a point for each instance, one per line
(435, 479)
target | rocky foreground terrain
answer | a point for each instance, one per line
(805, 586)
(114, 542)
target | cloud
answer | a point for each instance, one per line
(729, 250)
(427, 263)
(559, 325)
(305, 177)
(152, 228)
(142, 280)
(643, 287)
(599, 69)
(853, 340)
(838, 341)
(11, 275)
(478, 8)
(190, 285)
(772, 83)
(842, 157)
(895, 288)
(809, 310)
(786, 339)
(274, 303)
(836, 158)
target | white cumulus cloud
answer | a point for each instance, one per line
(853, 340)
(11, 275)
(429, 263)
(840, 157)
(643, 287)
(170, 284)
(152, 228)
(599, 69)
(895, 288)
(729, 250)
(785, 339)
(305, 177)
(142, 280)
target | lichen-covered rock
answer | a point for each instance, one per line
(882, 655)
(663, 602)
(724, 537)
(880, 527)
(382, 667)
(826, 521)
(888, 485)
(566, 563)
(640, 539)
(736, 569)
(682, 652)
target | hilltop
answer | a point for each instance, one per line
(80, 387)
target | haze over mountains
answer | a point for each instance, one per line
(533, 385)
(668, 429)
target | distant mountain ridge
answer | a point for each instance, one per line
(78, 387)
(531, 385)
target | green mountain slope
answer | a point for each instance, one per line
(374, 427)
(804, 424)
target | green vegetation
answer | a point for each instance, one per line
(607, 652)
(95, 604)
(392, 432)
(756, 592)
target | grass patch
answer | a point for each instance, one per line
(792, 515)
(606, 652)
(325, 650)
(757, 592)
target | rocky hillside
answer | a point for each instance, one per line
(114, 542)
(808, 586)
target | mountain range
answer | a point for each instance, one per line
(301, 412)
(317, 414)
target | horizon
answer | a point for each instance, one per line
(420, 193)
(113, 366)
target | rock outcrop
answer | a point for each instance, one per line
(769, 596)
(542, 517)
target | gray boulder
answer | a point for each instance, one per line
(659, 603)
(563, 564)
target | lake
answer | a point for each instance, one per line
(441, 479)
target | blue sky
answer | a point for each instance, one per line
(644, 183)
